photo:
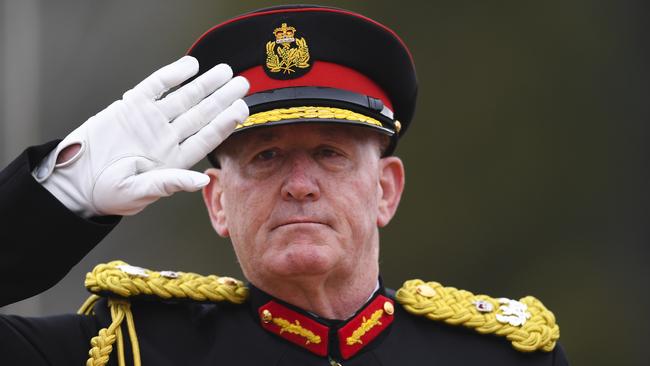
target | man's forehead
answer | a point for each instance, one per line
(305, 134)
(312, 131)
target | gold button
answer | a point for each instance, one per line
(388, 308)
(398, 126)
(266, 316)
(426, 290)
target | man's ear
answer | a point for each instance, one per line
(391, 186)
(212, 197)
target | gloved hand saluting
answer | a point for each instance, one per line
(140, 148)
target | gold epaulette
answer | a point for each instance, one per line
(121, 282)
(526, 323)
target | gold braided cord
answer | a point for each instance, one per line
(458, 307)
(135, 345)
(111, 278)
(87, 307)
(307, 112)
(102, 344)
(118, 312)
(125, 281)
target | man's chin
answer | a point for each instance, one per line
(304, 258)
(300, 237)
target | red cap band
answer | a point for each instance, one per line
(323, 74)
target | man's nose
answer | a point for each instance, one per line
(301, 183)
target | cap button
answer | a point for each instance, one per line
(398, 126)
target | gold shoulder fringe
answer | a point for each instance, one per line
(526, 323)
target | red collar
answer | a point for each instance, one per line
(307, 332)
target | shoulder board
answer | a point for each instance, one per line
(120, 279)
(526, 323)
(121, 282)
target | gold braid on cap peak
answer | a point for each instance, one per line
(120, 281)
(526, 323)
(307, 112)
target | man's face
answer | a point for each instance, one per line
(303, 199)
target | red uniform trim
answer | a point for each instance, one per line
(297, 328)
(355, 324)
(322, 73)
(290, 316)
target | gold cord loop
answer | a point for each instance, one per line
(102, 344)
(535, 330)
(114, 277)
(125, 281)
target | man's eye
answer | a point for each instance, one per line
(328, 153)
(266, 155)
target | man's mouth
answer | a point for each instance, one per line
(299, 221)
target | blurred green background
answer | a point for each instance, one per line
(526, 162)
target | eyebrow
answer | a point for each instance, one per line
(260, 137)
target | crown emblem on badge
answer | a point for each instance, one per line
(287, 52)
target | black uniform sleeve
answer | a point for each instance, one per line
(559, 357)
(40, 239)
(55, 340)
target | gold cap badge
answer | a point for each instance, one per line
(287, 54)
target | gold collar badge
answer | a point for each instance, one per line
(287, 52)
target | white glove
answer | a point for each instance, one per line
(139, 148)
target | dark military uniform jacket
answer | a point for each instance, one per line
(260, 331)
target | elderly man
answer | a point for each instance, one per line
(301, 188)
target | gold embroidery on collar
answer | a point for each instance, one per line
(296, 328)
(365, 327)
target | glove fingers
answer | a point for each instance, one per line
(189, 95)
(209, 137)
(200, 115)
(167, 77)
(149, 186)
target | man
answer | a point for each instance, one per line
(301, 188)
